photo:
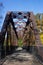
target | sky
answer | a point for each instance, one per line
(36, 6)
(23, 5)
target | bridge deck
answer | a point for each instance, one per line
(21, 57)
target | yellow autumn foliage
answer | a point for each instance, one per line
(41, 37)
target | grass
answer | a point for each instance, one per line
(20, 42)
